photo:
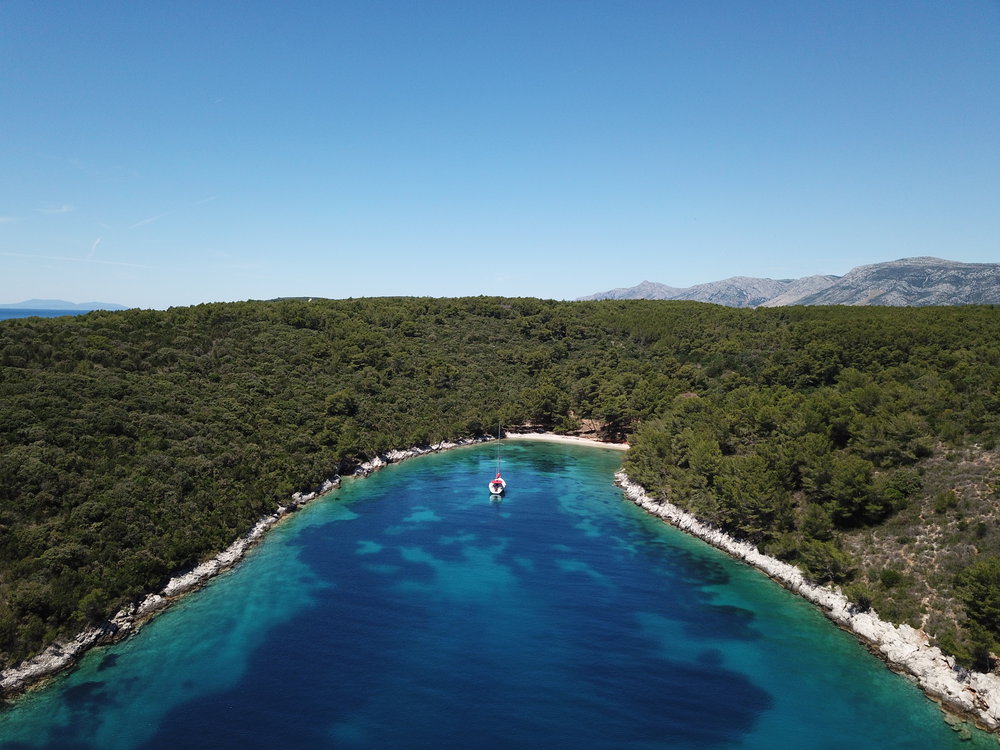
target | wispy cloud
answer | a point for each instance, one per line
(7, 219)
(93, 248)
(65, 208)
(157, 217)
(149, 220)
(63, 258)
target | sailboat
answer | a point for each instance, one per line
(497, 484)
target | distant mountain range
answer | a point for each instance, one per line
(908, 282)
(60, 304)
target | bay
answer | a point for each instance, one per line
(408, 610)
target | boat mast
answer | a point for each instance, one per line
(498, 449)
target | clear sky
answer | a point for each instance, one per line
(170, 153)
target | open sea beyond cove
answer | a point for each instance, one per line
(407, 610)
(7, 313)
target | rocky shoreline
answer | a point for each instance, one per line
(64, 654)
(971, 695)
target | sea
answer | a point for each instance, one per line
(412, 610)
(16, 312)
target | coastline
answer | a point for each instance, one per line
(551, 437)
(62, 655)
(969, 695)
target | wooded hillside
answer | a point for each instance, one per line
(133, 444)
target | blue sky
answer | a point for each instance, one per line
(170, 153)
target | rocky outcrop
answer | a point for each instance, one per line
(56, 657)
(197, 577)
(393, 457)
(61, 655)
(905, 650)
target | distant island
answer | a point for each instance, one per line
(907, 282)
(60, 304)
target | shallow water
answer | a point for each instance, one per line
(407, 610)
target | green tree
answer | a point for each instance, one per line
(979, 587)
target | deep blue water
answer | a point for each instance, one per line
(407, 610)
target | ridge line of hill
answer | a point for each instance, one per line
(907, 282)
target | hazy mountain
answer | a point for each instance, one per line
(797, 289)
(645, 290)
(738, 291)
(912, 282)
(61, 304)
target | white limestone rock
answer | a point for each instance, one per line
(905, 649)
(55, 658)
(61, 655)
(151, 604)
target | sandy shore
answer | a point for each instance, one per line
(551, 437)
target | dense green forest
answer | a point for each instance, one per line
(858, 443)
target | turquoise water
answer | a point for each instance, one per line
(407, 610)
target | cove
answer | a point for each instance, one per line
(407, 610)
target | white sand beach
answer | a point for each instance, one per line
(551, 437)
